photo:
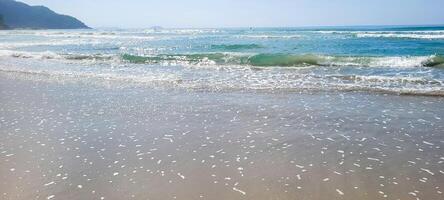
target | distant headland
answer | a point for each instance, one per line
(18, 15)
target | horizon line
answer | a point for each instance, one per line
(304, 26)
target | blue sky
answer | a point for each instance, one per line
(248, 13)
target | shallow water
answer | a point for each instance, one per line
(76, 140)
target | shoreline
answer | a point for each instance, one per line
(78, 141)
(176, 85)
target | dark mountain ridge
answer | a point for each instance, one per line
(2, 23)
(18, 15)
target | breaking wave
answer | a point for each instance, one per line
(269, 36)
(230, 47)
(287, 60)
(253, 60)
(47, 66)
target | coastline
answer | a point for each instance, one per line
(70, 140)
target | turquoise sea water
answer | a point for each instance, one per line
(404, 60)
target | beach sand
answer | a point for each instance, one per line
(74, 140)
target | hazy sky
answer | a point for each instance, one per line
(246, 13)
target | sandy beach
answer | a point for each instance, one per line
(221, 100)
(75, 140)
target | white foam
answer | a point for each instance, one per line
(182, 31)
(339, 192)
(86, 34)
(400, 35)
(412, 61)
(240, 191)
(437, 34)
(25, 54)
(51, 55)
(390, 61)
(269, 36)
(19, 44)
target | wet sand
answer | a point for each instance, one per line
(80, 141)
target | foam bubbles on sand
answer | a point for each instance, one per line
(112, 143)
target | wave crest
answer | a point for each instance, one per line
(253, 60)
(229, 47)
(400, 35)
(287, 60)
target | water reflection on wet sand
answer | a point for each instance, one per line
(75, 142)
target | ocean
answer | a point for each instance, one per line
(401, 60)
(349, 113)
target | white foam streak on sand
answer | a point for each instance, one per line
(240, 191)
(339, 192)
(428, 171)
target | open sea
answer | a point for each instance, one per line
(403, 60)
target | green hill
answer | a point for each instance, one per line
(2, 23)
(18, 15)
